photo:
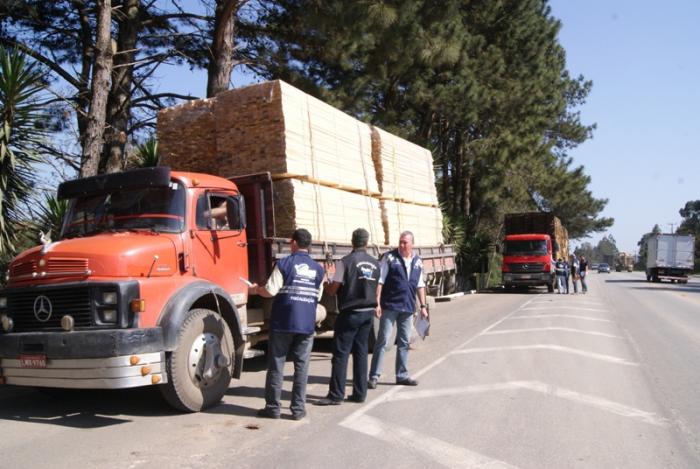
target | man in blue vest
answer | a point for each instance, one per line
(401, 278)
(296, 283)
(356, 279)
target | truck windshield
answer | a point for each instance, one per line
(536, 247)
(159, 209)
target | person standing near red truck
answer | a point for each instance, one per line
(401, 279)
(356, 279)
(296, 284)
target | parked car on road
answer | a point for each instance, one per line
(603, 268)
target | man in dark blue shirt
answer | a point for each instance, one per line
(356, 279)
(401, 280)
(296, 284)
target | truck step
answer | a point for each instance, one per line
(251, 330)
(252, 353)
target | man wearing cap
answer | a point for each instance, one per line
(355, 281)
(401, 278)
(295, 283)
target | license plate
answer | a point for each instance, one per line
(525, 277)
(32, 361)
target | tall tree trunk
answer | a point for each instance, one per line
(458, 182)
(82, 95)
(94, 133)
(221, 61)
(119, 102)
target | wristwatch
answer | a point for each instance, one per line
(423, 306)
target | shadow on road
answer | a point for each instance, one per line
(80, 408)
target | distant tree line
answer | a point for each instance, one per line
(483, 84)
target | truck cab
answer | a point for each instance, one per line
(142, 287)
(528, 261)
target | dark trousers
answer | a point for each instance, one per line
(351, 335)
(278, 346)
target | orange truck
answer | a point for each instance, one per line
(145, 287)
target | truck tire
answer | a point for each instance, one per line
(204, 341)
(550, 287)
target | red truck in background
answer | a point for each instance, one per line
(533, 242)
(144, 287)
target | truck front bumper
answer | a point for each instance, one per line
(102, 359)
(536, 278)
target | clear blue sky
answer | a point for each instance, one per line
(644, 61)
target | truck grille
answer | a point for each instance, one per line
(54, 265)
(526, 267)
(65, 265)
(73, 301)
(25, 268)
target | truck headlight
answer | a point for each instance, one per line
(3, 302)
(109, 297)
(7, 323)
(109, 316)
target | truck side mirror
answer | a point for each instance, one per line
(235, 212)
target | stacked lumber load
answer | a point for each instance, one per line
(329, 214)
(404, 170)
(423, 221)
(332, 172)
(187, 136)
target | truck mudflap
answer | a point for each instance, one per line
(126, 371)
(98, 359)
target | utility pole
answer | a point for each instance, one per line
(672, 225)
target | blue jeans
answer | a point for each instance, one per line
(560, 284)
(386, 323)
(278, 346)
(584, 287)
(350, 336)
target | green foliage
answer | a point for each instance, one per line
(691, 226)
(605, 251)
(22, 134)
(147, 154)
(50, 216)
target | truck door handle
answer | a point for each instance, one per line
(241, 244)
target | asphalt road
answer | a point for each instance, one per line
(526, 379)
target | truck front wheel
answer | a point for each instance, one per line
(200, 368)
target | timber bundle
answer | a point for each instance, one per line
(332, 173)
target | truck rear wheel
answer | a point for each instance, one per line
(550, 287)
(200, 368)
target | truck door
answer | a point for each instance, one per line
(219, 243)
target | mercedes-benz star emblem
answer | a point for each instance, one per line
(526, 267)
(42, 308)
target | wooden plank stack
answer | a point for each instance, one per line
(332, 172)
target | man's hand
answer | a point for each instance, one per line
(378, 311)
(424, 311)
(253, 289)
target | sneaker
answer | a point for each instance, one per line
(268, 413)
(372, 383)
(407, 382)
(356, 399)
(298, 415)
(327, 401)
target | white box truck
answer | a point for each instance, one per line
(671, 257)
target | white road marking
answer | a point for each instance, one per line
(570, 316)
(569, 301)
(577, 308)
(556, 348)
(537, 386)
(546, 329)
(356, 420)
(440, 451)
